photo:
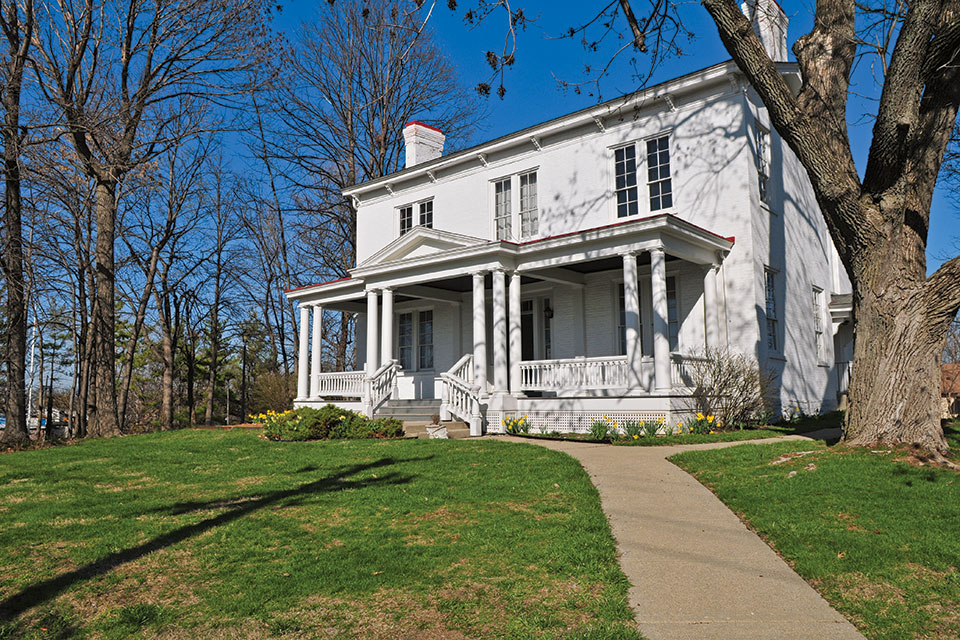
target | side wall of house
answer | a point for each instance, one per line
(792, 243)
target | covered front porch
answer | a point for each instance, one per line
(563, 330)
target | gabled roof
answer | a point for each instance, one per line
(421, 241)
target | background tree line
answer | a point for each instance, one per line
(170, 167)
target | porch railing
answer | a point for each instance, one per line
(380, 386)
(372, 391)
(574, 373)
(681, 369)
(460, 398)
(348, 384)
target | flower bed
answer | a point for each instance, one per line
(326, 423)
(702, 428)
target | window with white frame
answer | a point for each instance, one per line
(426, 214)
(529, 214)
(425, 340)
(625, 168)
(673, 317)
(773, 342)
(659, 181)
(818, 324)
(406, 219)
(762, 159)
(405, 340)
(502, 208)
(415, 344)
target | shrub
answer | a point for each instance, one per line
(650, 428)
(634, 428)
(730, 386)
(701, 424)
(516, 426)
(327, 422)
(599, 430)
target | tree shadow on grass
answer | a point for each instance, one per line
(337, 480)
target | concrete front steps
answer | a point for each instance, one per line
(417, 415)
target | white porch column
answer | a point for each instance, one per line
(479, 333)
(661, 338)
(303, 371)
(711, 308)
(631, 307)
(386, 345)
(316, 351)
(501, 381)
(516, 334)
(373, 363)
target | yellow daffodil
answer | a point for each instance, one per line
(635, 436)
(699, 416)
(709, 418)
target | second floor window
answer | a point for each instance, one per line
(426, 214)
(763, 159)
(659, 181)
(625, 166)
(502, 211)
(529, 215)
(406, 219)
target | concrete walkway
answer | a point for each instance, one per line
(697, 571)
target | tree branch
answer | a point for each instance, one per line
(942, 294)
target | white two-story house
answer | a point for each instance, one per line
(570, 270)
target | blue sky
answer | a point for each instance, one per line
(533, 94)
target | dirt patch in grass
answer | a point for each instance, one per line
(444, 515)
(387, 614)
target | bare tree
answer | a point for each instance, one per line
(117, 72)
(17, 24)
(354, 78)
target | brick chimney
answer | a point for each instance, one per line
(770, 23)
(422, 142)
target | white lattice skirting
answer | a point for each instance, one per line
(579, 421)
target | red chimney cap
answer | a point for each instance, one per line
(413, 122)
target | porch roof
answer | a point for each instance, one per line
(424, 255)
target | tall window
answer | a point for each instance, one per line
(625, 166)
(529, 215)
(773, 344)
(658, 173)
(405, 340)
(547, 330)
(419, 343)
(502, 209)
(763, 159)
(406, 219)
(818, 324)
(425, 340)
(426, 214)
(673, 319)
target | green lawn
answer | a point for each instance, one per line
(877, 536)
(224, 535)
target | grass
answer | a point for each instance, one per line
(875, 534)
(223, 535)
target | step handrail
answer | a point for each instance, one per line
(460, 396)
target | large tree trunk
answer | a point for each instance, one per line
(16, 338)
(166, 385)
(895, 387)
(105, 422)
